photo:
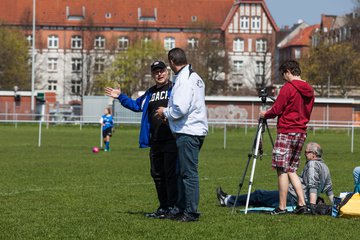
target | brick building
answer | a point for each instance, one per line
(298, 43)
(333, 29)
(77, 39)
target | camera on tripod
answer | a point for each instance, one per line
(263, 95)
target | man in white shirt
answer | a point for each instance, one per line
(186, 114)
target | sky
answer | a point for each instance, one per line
(288, 12)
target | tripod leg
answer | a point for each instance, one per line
(242, 182)
(246, 168)
(268, 130)
(258, 139)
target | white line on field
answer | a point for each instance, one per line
(17, 192)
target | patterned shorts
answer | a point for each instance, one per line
(287, 151)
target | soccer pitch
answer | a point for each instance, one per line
(62, 190)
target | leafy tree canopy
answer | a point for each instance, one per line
(338, 64)
(14, 55)
(131, 68)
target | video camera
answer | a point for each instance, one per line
(263, 95)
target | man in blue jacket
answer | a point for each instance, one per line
(156, 134)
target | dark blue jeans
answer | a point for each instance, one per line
(259, 198)
(188, 178)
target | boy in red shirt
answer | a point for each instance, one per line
(293, 107)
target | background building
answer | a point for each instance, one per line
(75, 40)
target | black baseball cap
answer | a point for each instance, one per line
(157, 65)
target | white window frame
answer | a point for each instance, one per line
(76, 42)
(99, 42)
(29, 40)
(99, 65)
(260, 65)
(244, 23)
(238, 45)
(123, 43)
(146, 40)
(261, 45)
(75, 86)
(169, 43)
(193, 43)
(53, 42)
(76, 64)
(52, 85)
(297, 53)
(255, 23)
(52, 64)
(238, 67)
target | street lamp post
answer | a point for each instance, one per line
(33, 59)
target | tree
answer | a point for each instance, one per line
(208, 58)
(315, 69)
(131, 68)
(339, 63)
(14, 56)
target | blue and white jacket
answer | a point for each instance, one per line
(141, 105)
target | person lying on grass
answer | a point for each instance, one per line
(315, 179)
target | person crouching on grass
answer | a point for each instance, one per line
(107, 124)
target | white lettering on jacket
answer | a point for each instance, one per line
(159, 96)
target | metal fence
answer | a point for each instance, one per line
(47, 120)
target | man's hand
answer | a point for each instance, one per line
(111, 92)
(160, 112)
(262, 114)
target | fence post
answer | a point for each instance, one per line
(224, 135)
(47, 121)
(6, 110)
(352, 138)
(39, 142)
(246, 126)
(101, 138)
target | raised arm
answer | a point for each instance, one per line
(127, 102)
(112, 92)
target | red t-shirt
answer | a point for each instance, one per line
(293, 107)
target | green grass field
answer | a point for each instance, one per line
(62, 190)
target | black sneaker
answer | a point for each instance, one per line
(160, 214)
(174, 214)
(278, 211)
(221, 196)
(301, 209)
(187, 217)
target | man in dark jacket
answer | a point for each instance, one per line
(156, 134)
(293, 108)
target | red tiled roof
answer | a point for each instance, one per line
(124, 13)
(303, 37)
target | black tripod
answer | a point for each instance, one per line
(255, 151)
